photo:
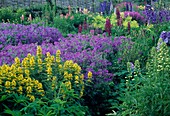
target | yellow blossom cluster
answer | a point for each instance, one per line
(73, 79)
(16, 79)
(22, 77)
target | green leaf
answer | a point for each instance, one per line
(3, 98)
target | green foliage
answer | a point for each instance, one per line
(6, 14)
(12, 16)
(147, 93)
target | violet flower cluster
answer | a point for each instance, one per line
(165, 35)
(105, 6)
(16, 33)
(155, 17)
(90, 52)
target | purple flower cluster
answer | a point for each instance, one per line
(156, 17)
(90, 52)
(13, 34)
(105, 6)
(165, 37)
(135, 15)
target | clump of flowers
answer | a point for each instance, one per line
(165, 37)
(25, 77)
(17, 79)
(14, 34)
(156, 17)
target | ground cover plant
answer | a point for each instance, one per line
(72, 61)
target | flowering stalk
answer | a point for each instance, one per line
(80, 28)
(128, 27)
(108, 27)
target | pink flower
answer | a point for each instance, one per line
(22, 17)
(30, 17)
(69, 9)
(92, 31)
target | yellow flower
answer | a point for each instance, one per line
(58, 53)
(89, 74)
(28, 55)
(17, 62)
(20, 77)
(49, 70)
(20, 89)
(7, 84)
(76, 78)
(32, 61)
(39, 51)
(54, 78)
(68, 84)
(48, 54)
(81, 93)
(32, 98)
(60, 66)
(82, 77)
(70, 76)
(39, 85)
(27, 72)
(29, 89)
(13, 83)
(19, 70)
(39, 61)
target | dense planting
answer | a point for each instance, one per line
(74, 62)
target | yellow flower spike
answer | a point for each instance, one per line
(39, 51)
(17, 62)
(7, 84)
(32, 62)
(32, 98)
(49, 70)
(52, 59)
